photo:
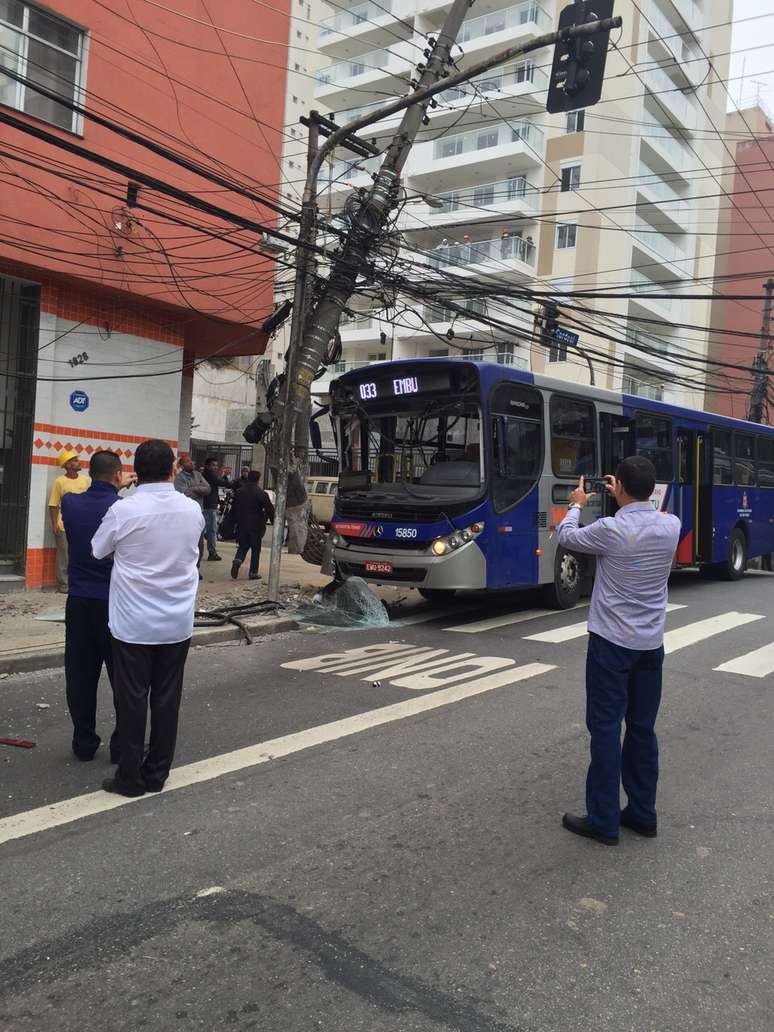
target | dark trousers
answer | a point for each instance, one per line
(87, 647)
(252, 541)
(140, 672)
(622, 684)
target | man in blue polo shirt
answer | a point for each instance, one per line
(87, 637)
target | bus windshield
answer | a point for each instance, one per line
(417, 449)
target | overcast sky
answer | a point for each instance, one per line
(753, 52)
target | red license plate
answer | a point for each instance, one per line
(372, 566)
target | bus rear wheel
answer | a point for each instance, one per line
(437, 594)
(568, 577)
(736, 563)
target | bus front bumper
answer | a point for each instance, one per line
(462, 569)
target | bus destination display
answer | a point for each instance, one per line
(402, 386)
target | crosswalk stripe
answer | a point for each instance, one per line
(561, 634)
(693, 633)
(425, 616)
(506, 619)
(758, 663)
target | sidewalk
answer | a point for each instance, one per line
(32, 632)
(33, 621)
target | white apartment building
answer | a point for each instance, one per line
(624, 194)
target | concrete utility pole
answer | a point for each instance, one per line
(312, 330)
(761, 363)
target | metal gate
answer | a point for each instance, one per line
(233, 455)
(19, 323)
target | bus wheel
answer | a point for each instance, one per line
(736, 563)
(568, 575)
(437, 594)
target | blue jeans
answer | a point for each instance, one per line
(622, 684)
(211, 530)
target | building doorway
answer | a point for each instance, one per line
(19, 326)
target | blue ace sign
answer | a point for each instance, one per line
(79, 401)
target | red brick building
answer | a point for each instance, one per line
(745, 260)
(110, 288)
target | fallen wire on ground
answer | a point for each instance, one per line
(233, 614)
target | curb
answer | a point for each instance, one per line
(48, 657)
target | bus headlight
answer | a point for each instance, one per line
(444, 545)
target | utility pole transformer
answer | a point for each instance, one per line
(315, 324)
(761, 363)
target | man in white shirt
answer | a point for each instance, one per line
(153, 537)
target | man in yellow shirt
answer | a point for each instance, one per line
(72, 480)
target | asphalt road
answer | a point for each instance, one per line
(360, 846)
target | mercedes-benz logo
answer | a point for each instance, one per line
(379, 531)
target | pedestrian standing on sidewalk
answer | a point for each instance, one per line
(252, 509)
(190, 482)
(72, 481)
(87, 637)
(635, 550)
(213, 477)
(153, 537)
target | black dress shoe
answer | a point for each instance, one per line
(153, 786)
(117, 787)
(84, 757)
(235, 569)
(646, 830)
(214, 558)
(582, 826)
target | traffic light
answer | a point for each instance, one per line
(579, 63)
(550, 322)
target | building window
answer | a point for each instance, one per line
(575, 121)
(571, 178)
(566, 233)
(47, 51)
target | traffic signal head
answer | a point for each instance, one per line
(579, 63)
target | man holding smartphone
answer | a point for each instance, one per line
(634, 551)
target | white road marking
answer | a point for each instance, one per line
(560, 634)
(759, 663)
(68, 810)
(506, 619)
(693, 633)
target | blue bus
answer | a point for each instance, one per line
(454, 476)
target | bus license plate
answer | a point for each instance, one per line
(372, 566)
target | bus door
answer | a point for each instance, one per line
(616, 434)
(693, 503)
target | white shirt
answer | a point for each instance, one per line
(153, 536)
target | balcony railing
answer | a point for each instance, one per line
(669, 94)
(350, 322)
(485, 138)
(345, 20)
(487, 194)
(665, 246)
(442, 314)
(497, 80)
(678, 155)
(343, 170)
(646, 287)
(354, 67)
(484, 252)
(499, 21)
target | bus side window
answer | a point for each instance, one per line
(766, 461)
(653, 440)
(744, 460)
(573, 440)
(721, 462)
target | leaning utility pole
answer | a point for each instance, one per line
(761, 362)
(312, 329)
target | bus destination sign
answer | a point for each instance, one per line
(381, 388)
